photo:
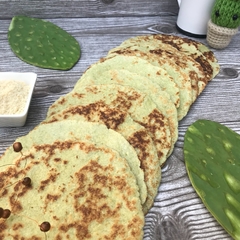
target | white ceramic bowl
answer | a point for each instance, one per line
(18, 120)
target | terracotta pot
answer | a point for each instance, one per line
(219, 37)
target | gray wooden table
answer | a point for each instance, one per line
(178, 213)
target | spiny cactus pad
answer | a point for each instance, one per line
(42, 43)
(212, 157)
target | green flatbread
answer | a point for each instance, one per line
(139, 66)
(201, 65)
(142, 84)
(100, 134)
(139, 106)
(183, 81)
(197, 50)
(77, 186)
(133, 132)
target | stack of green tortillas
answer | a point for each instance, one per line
(95, 162)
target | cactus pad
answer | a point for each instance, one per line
(212, 158)
(42, 43)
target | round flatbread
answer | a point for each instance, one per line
(140, 66)
(134, 133)
(139, 106)
(76, 186)
(198, 51)
(182, 80)
(188, 54)
(138, 82)
(99, 134)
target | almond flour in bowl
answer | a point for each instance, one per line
(13, 96)
(16, 90)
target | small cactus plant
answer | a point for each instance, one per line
(226, 13)
(42, 43)
(224, 23)
(212, 158)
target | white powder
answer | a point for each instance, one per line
(13, 96)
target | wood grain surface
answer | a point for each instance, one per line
(87, 8)
(178, 212)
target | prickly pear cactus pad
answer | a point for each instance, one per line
(42, 43)
(212, 157)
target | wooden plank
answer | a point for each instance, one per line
(177, 208)
(83, 8)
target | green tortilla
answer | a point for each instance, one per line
(142, 84)
(138, 105)
(77, 186)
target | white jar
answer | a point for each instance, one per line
(193, 17)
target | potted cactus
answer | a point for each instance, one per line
(224, 23)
